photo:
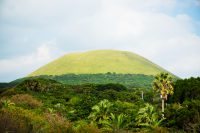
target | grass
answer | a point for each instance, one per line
(100, 61)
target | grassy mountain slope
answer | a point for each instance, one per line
(99, 61)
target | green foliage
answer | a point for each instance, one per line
(19, 120)
(103, 117)
(43, 105)
(163, 84)
(118, 121)
(57, 123)
(9, 92)
(128, 80)
(148, 117)
(4, 86)
(100, 112)
(39, 85)
(6, 103)
(186, 89)
(83, 127)
(111, 86)
(82, 109)
(185, 116)
(26, 100)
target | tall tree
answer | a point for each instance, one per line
(163, 84)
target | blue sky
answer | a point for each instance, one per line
(34, 32)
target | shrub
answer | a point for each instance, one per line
(6, 103)
(186, 89)
(148, 117)
(116, 87)
(26, 99)
(39, 85)
(58, 124)
(88, 129)
(185, 117)
(74, 100)
(8, 92)
(18, 120)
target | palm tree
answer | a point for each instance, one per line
(163, 84)
(101, 114)
(148, 117)
(118, 121)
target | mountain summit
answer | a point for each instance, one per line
(100, 61)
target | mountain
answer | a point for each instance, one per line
(100, 61)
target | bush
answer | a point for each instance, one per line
(88, 129)
(8, 92)
(18, 120)
(27, 100)
(58, 124)
(184, 117)
(39, 85)
(111, 86)
(186, 89)
(83, 127)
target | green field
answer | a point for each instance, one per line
(100, 61)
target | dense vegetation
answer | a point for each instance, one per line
(45, 105)
(100, 61)
(186, 89)
(128, 80)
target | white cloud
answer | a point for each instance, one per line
(149, 28)
(26, 64)
(167, 40)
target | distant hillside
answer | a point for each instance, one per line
(128, 80)
(100, 61)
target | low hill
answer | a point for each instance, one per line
(100, 61)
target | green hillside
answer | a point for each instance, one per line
(129, 80)
(99, 61)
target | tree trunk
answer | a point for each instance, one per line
(163, 105)
(142, 95)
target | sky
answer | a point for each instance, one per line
(35, 32)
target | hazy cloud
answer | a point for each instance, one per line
(162, 31)
(22, 65)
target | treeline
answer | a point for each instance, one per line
(187, 89)
(183, 110)
(128, 80)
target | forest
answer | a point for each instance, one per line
(46, 105)
(128, 80)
